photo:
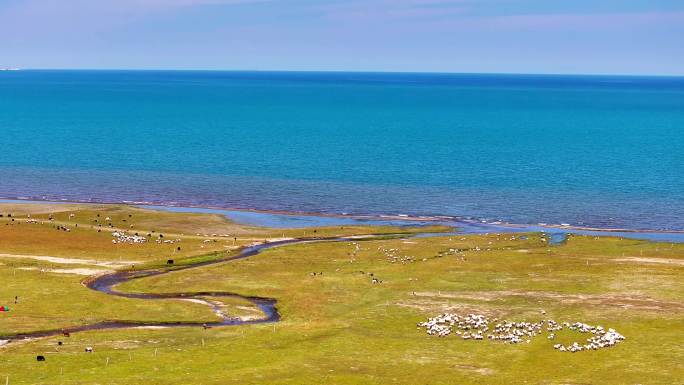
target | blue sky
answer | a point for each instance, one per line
(519, 36)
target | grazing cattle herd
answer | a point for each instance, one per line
(479, 327)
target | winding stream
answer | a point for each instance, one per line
(106, 284)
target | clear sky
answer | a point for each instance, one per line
(521, 36)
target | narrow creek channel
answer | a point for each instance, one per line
(106, 284)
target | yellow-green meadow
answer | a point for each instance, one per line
(348, 308)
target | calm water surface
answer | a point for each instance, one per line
(589, 151)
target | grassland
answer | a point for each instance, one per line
(338, 326)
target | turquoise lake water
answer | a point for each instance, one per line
(584, 150)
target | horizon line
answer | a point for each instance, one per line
(342, 71)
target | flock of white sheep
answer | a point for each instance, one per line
(120, 237)
(478, 327)
(393, 255)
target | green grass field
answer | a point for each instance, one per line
(338, 326)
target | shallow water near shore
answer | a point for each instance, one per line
(289, 220)
(590, 151)
(279, 220)
(556, 235)
(293, 220)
